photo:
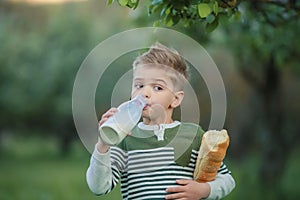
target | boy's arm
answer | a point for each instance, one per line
(99, 174)
(216, 189)
(191, 189)
(222, 185)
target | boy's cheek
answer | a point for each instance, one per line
(156, 111)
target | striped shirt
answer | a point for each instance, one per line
(147, 165)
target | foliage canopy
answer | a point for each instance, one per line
(214, 12)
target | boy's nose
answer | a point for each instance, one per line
(146, 92)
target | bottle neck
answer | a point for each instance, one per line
(139, 98)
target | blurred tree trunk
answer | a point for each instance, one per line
(274, 147)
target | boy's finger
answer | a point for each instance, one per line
(183, 181)
(174, 196)
(107, 115)
(175, 189)
(102, 121)
(110, 113)
(113, 109)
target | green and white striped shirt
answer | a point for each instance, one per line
(151, 160)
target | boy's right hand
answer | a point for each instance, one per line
(101, 146)
(107, 115)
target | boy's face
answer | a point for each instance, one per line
(157, 87)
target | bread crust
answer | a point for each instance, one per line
(212, 151)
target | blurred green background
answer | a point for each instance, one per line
(43, 45)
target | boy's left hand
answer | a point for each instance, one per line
(188, 190)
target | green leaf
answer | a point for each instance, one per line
(168, 10)
(156, 2)
(123, 2)
(216, 7)
(150, 9)
(133, 4)
(109, 2)
(237, 15)
(204, 10)
(210, 18)
(156, 8)
(212, 26)
(156, 23)
(168, 21)
(162, 12)
(175, 19)
(130, 5)
(229, 12)
(223, 19)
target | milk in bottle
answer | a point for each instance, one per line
(116, 128)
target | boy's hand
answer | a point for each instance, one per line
(107, 115)
(188, 190)
(101, 146)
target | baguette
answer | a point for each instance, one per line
(212, 151)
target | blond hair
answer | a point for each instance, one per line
(161, 56)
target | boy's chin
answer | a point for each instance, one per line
(156, 113)
(145, 114)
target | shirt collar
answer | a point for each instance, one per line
(159, 129)
(147, 127)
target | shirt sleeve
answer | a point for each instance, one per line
(99, 174)
(222, 185)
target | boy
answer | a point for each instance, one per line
(157, 160)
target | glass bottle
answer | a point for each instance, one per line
(117, 127)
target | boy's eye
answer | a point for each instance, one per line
(138, 85)
(158, 88)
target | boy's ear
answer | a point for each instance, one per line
(177, 99)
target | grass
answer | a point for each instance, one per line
(33, 169)
(45, 180)
(45, 175)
